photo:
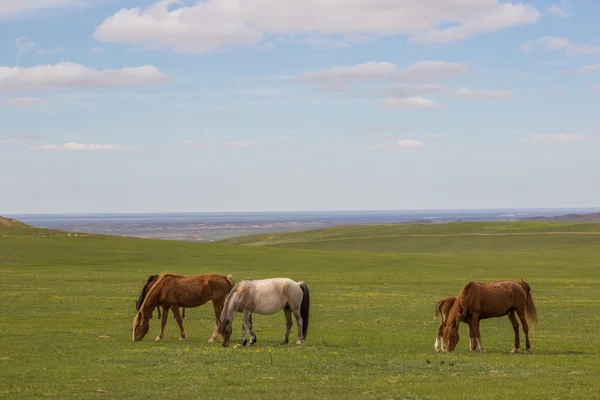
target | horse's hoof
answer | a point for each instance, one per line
(244, 342)
(284, 342)
(158, 339)
(211, 340)
(182, 337)
(299, 342)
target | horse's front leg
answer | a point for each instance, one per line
(218, 307)
(251, 326)
(288, 325)
(475, 321)
(175, 310)
(163, 322)
(299, 323)
(245, 322)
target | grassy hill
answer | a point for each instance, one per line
(12, 223)
(68, 304)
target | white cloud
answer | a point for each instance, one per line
(70, 75)
(589, 68)
(553, 138)
(337, 78)
(15, 7)
(240, 144)
(23, 101)
(466, 93)
(411, 103)
(72, 146)
(211, 24)
(402, 144)
(555, 10)
(556, 43)
(24, 45)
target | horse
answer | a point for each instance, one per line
(266, 296)
(481, 300)
(151, 280)
(170, 291)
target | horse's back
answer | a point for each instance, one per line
(271, 295)
(495, 298)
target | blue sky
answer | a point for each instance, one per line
(219, 105)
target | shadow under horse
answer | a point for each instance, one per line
(482, 300)
(266, 296)
(171, 291)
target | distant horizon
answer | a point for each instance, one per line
(415, 210)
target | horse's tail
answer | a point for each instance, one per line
(437, 309)
(304, 307)
(530, 311)
(230, 281)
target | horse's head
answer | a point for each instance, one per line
(140, 327)
(225, 329)
(451, 335)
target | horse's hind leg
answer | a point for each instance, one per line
(163, 322)
(515, 325)
(179, 322)
(299, 323)
(525, 325)
(288, 324)
(438, 345)
(245, 323)
(252, 335)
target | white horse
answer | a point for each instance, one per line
(266, 296)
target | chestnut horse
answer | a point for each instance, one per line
(481, 300)
(266, 296)
(171, 291)
(149, 283)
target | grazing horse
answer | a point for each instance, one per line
(266, 296)
(481, 300)
(149, 283)
(171, 291)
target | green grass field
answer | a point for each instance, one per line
(68, 304)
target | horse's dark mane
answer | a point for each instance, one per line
(155, 288)
(140, 301)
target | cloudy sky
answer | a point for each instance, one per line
(217, 105)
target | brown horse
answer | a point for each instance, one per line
(149, 283)
(481, 300)
(171, 291)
